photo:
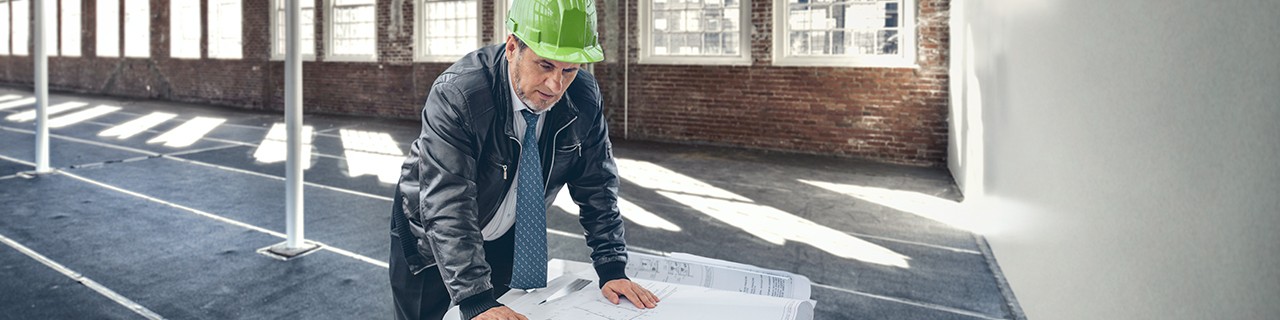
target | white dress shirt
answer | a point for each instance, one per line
(506, 215)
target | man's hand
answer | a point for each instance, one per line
(638, 295)
(500, 313)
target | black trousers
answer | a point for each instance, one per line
(423, 296)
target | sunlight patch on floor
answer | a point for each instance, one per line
(188, 133)
(82, 115)
(54, 109)
(274, 147)
(629, 210)
(930, 207)
(373, 153)
(762, 221)
(16, 103)
(135, 126)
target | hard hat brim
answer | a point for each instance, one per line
(591, 54)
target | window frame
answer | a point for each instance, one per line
(419, 43)
(275, 32)
(500, 9)
(646, 55)
(906, 57)
(329, 54)
(211, 52)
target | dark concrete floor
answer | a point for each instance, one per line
(175, 228)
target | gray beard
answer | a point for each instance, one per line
(524, 98)
(520, 95)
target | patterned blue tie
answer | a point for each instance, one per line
(530, 261)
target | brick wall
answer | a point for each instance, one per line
(886, 114)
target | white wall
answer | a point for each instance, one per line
(1129, 150)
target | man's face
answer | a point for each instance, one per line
(538, 82)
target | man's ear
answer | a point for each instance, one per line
(511, 48)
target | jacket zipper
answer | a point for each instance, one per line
(518, 144)
(553, 153)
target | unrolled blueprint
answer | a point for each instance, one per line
(694, 270)
(678, 302)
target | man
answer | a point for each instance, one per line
(503, 130)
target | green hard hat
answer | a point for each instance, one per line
(561, 30)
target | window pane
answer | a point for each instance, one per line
(818, 42)
(835, 28)
(891, 15)
(731, 46)
(838, 44)
(50, 27)
(799, 43)
(694, 27)
(660, 44)
(710, 16)
(306, 26)
(137, 30)
(353, 32)
(108, 23)
(865, 16)
(450, 27)
(864, 42)
(4, 27)
(711, 43)
(731, 19)
(185, 35)
(21, 27)
(224, 38)
(798, 19)
(692, 21)
(692, 44)
(71, 28)
(888, 42)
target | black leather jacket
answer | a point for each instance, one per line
(464, 161)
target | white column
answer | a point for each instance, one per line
(42, 88)
(293, 127)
